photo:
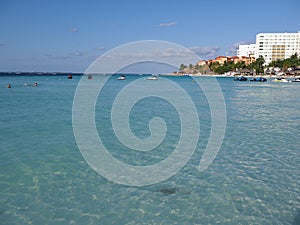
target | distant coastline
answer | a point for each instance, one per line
(39, 74)
(138, 74)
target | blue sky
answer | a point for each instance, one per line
(70, 35)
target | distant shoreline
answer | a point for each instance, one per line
(138, 74)
(39, 74)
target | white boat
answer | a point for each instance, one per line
(279, 79)
(153, 77)
(296, 80)
(122, 77)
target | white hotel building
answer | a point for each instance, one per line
(274, 46)
(246, 50)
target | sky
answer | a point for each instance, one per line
(67, 36)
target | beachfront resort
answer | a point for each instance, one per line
(271, 54)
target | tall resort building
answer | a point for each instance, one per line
(246, 50)
(275, 46)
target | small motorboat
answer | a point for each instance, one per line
(280, 79)
(240, 79)
(296, 80)
(258, 79)
(70, 76)
(122, 77)
(153, 77)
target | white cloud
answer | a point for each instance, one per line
(232, 50)
(168, 24)
(57, 57)
(63, 57)
(77, 53)
(100, 48)
(144, 51)
(173, 55)
(206, 52)
(74, 30)
(158, 53)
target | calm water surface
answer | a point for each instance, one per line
(255, 178)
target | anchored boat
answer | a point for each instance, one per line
(122, 77)
(280, 79)
(153, 77)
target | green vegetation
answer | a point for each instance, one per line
(257, 66)
(182, 67)
(291, 62)
(226, 67)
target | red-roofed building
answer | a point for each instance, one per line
(202, 62)
(221, 59)
(247, 60)
(234, 59)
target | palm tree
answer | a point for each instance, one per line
(259, 64)
(294, 61)
(182, 67)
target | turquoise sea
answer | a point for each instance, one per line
(44, 179)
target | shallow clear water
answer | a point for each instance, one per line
(255, 178)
